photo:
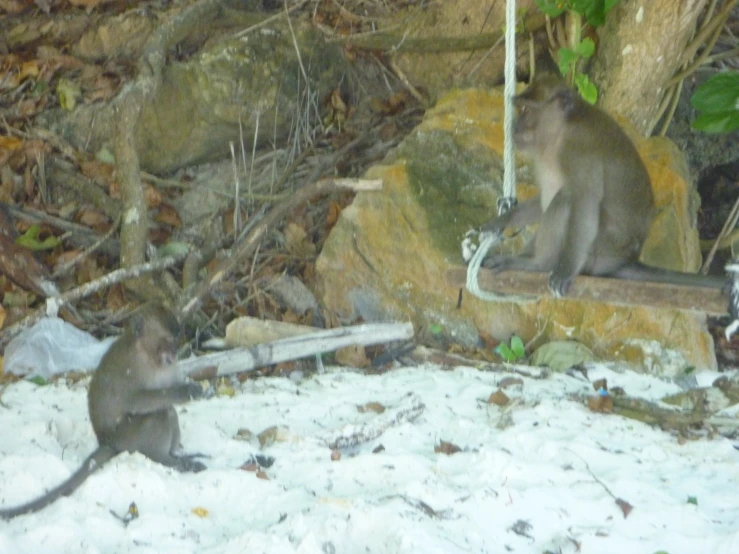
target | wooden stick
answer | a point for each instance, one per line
(600, 289)
(293, 348)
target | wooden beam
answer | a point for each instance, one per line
(600, 289)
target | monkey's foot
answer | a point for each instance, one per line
(186, 464)
(558, 285)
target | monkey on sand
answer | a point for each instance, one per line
(131, 403)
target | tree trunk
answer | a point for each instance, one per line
(641, 46)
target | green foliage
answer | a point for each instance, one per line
(717, 100)
(31, 241)
(693, 500)
(512, 353)
(569, 59)
(173, 248)
(552, 8)
(38, 380)
(435, 329)
(594, 11)
(586, 88)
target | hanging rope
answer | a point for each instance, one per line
(508, 200)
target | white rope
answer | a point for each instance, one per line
(487, 240)
(509, 169)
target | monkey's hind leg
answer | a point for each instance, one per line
(566, 237)
(157, 436)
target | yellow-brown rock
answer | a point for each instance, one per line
(386, 257)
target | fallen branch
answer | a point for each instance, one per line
(448, 360)
(64, 174)
(246, 247)
(352, 434)
(247, 359)
(53, 304)
(79, 235)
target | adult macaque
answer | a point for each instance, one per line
(595, 206)
(130, 400)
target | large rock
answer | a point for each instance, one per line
(223, 94)
(387, 255)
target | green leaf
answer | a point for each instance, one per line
(552, 8)
(566, 58)
(68, 93)
(30, 240)
(724, 122)
(693, 500)
(38, 380)
(587, 89)
(517, 347)
(596, 15)
(435, 329)
(594, 11)
(504, 352)
(586, 48)
(173, 248)
(719, 94)
(105, 155)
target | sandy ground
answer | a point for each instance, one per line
(541, 475)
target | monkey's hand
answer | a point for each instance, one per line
(497, 263)
(559, 284)
(194, 390)
(495, 226)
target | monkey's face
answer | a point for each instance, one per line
(155, 332)
(524, 131)
(158, 351)
(157, 346)
(540, 122)
(166, 351)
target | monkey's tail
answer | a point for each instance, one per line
(93, 462)
(638, 271)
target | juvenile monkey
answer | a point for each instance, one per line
(131, 402)
(596, 204)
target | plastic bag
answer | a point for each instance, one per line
(53, 346)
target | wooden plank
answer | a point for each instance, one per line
(600, 289)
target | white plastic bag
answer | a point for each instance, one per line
(53, 346)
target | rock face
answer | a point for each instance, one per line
(386, 257)
(229, 90)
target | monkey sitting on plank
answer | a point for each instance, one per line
(595, 204)
(131, 402)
